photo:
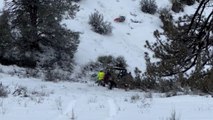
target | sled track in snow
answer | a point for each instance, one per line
(69, 108)
(67, 113)
(113, 109)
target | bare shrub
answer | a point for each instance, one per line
(33, 73)
(96, 20)
(93, 100)
(39, 93)
(135, 98)
(171, 94)
(148, 6)
(21, 91)
(148, 95)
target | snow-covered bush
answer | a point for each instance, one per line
(135, 98)
(104, 62)
(56, 75)
(148, 6)
(35, 73)
(3, 91)
(204, 84)
(96, 20)
(23, 91)
(177, 6)
(112, 61)
(148, 95)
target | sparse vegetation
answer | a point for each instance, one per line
(21, 91)
(3, 90)
(96, 20)
(182, 53)
(135, 98)
(148, 6)
(56, 75)
(148, 95)
(177, 6)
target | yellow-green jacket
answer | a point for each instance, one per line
(101, 75)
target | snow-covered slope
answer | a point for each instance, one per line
(40, 100)
(127, 39)
(34, 99)
(78, 101)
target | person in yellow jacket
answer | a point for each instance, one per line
(100, 76)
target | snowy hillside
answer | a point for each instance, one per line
(127, 39)
(34, 99)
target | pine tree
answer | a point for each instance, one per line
(188, 48)
(5, 36)
(38, 34)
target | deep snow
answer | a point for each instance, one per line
(87, 101)
(127, 39)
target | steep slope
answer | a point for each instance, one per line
(39, 100)
(127, 39)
